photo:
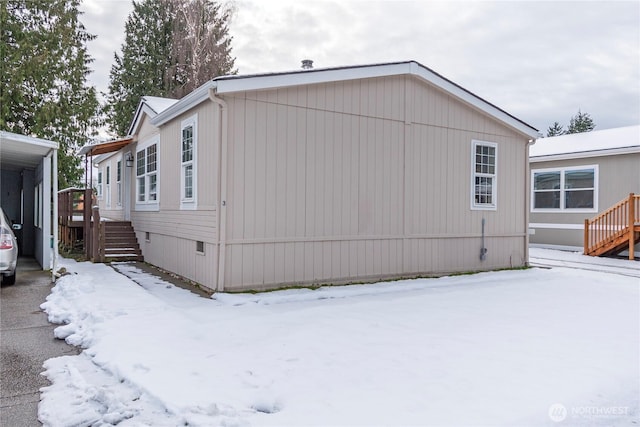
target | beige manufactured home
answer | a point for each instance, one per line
(578, 176)
(323, 176)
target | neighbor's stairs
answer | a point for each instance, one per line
(120, 241)
(615, 230)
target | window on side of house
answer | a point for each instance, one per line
(119, 182)
(99, 187)
(152, 175)
(188, 160)
(571, 189)
(141, 176)
(484, 184)
(107, 187)
(147, 175)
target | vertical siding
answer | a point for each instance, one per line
(174, 232)
(360, 180)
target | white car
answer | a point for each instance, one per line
(8, 251)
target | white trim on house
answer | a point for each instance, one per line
(151, 106)
(107, 185)
(100, 183)
(586, 154)
(556, 226)
(189, 203)
(119, 180)
(147, 204)
(230, 84)
(196, 97)
(562, 190)
(597, 143)
(557, 247)
(493, 176)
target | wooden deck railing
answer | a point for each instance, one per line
(613, 227)
(74, 218)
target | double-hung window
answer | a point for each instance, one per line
(188, 161)
(484, 163)
(571, 189)
(108, 186)
(147, 175)
(99, 188)
(119, 181)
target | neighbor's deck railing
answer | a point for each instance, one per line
(74, 218)
(613, 227)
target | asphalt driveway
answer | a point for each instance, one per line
(26, 341)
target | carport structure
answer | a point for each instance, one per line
(28, 180)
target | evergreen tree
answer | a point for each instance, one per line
(581, 122)
(43, 78)
(201, 44)
(171, 47)
(142, 68)
(555, 130)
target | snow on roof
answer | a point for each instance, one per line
(152, 106)
(158, 104)
(598, 142)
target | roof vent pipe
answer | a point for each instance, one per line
(307, 64)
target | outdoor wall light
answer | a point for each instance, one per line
(129, 160)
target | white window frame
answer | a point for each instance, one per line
(562, 171)
(145, 203)
(494, 185)
(119, 173)
(107, 186)
(189, 203)
(99, 185)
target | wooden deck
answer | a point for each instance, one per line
(80, 226)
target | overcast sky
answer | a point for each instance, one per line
(540, 61)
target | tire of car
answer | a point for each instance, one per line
(9, 280)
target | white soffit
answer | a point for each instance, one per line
(19, 152)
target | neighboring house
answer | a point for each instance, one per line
(578, 176)
(323, 176)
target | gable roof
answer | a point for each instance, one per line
(152, 106)
(230, 84)
(588, 144)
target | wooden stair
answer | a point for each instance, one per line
(615, 230)
(120, 242)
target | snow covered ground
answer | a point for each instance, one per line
(544, 346)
